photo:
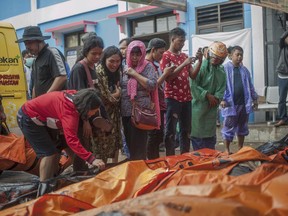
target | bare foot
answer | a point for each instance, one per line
(228, 152)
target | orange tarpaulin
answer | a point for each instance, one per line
(12, 148)
(200, 181)
(16, 154)
(216, 199)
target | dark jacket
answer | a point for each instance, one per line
(282, 66)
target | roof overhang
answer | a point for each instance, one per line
(121, 17)
(171, 4)
(280, 5)
(70, 27)
(138, 12)
(57, 32)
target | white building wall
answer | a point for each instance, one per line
(258, 48)
(122, 6)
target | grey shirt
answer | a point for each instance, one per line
(49, 64)
(143, 95)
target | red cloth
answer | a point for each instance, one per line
(55, 106)
(178, 88)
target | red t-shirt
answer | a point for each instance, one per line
(56, 111)
(178, 88)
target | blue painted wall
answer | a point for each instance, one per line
(10, 8)
(45, 3)
(19, 33)
(247, 16)
(190, 25)
(106, 28)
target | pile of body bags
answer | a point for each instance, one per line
(204, 182)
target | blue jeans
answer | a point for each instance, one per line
(283, 89)
(200, 143)
(177, 111)
(42, 139)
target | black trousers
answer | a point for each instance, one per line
(155, 138)
(136, 140)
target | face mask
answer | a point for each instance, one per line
(29, 62)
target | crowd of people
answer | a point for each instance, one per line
(108, 82)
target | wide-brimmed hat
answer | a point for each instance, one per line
(155, 43)
(32, 33)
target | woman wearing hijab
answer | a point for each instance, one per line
(139, 85)
(107, 145)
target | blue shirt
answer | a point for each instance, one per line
(249, 92)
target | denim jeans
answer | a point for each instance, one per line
(43, 140)
(177, 111)
(283, 89)
(200, 143)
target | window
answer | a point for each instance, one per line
(144, 27)
(219, 18)
(73, 44)
(166, 23)
(73, 39)
(153, 24)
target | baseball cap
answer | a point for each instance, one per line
(155, 43)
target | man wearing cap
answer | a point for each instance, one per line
(154, 53)
(48, 70)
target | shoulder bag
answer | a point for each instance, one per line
(144, 118)
(88, 74)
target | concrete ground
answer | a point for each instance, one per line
(258, 134)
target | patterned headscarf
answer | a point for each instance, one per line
(132, 83)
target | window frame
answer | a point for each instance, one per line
(133, 23)
(76, 49)
(220, 24)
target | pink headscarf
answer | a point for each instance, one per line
(132, 83)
